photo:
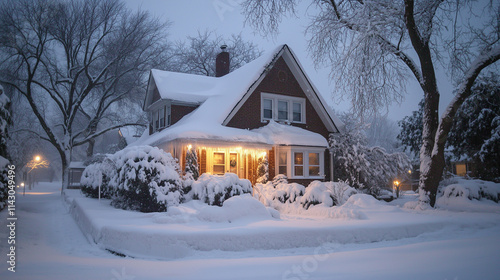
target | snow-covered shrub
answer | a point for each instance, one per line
(215, 189)
(147, 179)
(328, 193)
(279, 192)
(4, 182)
(471, 190)
(280, 178)
(262, 170)
(98, 174)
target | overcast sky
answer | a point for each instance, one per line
(224, 16)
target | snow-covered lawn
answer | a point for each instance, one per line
(367, 239)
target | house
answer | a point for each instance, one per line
(267, 108)
(75, 171)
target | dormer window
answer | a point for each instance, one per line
(282, 108)
(160, 118)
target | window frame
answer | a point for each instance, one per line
(276, 99)
(291, 165)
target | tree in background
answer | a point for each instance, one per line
(76, 59)
(370, 46)
(476, 131)
(411, 130)
(197, 56)
(364, 167)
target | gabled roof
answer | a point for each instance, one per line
(220, 98)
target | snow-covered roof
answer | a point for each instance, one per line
(220, 98)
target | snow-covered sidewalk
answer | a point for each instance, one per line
(387, 243)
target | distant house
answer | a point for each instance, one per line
(267, 108)
(75, 171)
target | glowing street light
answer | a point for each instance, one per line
(396, 184)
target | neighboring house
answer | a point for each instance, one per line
(267, 108)
(75, 171)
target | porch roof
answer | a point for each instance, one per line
(271, 134)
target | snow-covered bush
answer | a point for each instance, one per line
(280, 192)
(471, 190)
(328, 193)
(147, 179)
(98, 174)
(215, 189)
(280, 178)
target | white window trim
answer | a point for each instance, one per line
(155, 116)
(291, 150)
(289, 99)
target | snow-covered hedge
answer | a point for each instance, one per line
(147, 179)
(470, 190)
(95, 174)
(215, 189)
(328, 193)
(278, 193)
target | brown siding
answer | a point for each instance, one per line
(279, 80)
(272, 164)
(179, 111)
(203, 162)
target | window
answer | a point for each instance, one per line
(282, 108)
(301, 162)
(160, 118)
(267, 108)
(297, 112)
(219, 165)
(314, 167)
(298, 164)
(282, 166)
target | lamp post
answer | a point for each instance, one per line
(396, 187)
(36, 162)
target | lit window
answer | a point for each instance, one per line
(219, 164)
(298, 160)
(314, 167)
(282, 162)
(268, 108)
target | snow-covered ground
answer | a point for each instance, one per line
(367, 239)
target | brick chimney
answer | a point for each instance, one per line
(222, 62)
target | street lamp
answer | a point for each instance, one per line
(396, 184)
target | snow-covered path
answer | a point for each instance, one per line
(51, 246)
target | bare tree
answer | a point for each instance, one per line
(74, 58)
(198, 55)
(373, 46)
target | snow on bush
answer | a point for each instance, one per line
(279, 194)
(328, 193)
(464, 191)
(4, 182)
(279, 191)
(147, 179)
(98, 174)
(215, 189)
